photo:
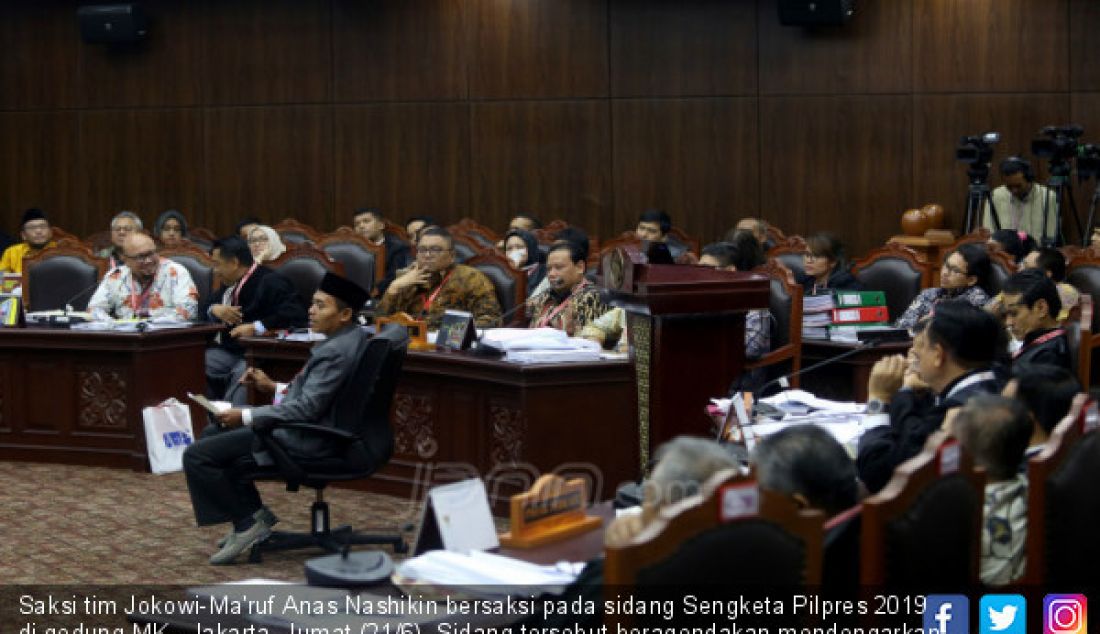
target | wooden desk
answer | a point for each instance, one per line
(845, 380)
(457, 416)
(76, 397)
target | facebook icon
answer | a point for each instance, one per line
(946, 614)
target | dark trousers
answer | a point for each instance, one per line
(214, 467)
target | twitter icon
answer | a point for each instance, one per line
(1002, 614)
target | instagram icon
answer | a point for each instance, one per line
(1065, 614)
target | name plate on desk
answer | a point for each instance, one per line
(11, 311)
(456, 331)
(552, 510)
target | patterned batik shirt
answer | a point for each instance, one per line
(171, 295)
(929, 297)
(459, 288)
(571, 312)
(1004, 531)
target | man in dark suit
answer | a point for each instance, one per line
(1031, 307)
(213, 464)
(253, 299)
(369, 223)
(950, 362)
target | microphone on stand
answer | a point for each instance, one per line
(485, 350)
(757, 406)
(69, 302)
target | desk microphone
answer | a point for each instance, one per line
(486, 350)
(782, 380)
(69, 302)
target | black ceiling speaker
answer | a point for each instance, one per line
(112, 23)
(815, 12)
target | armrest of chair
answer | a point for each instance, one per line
(781, 353)
(291, 470)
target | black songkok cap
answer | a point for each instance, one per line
(33, 213)
(343, 289)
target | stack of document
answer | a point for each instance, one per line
(540, 345)
(486, 573)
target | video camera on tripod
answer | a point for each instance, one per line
(1059, 146)
(977, 152)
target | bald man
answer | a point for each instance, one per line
(145, 286)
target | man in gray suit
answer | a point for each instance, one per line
(214, 465)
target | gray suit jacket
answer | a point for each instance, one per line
(310, 398)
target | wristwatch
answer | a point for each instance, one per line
(875, 406)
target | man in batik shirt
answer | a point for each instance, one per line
(572, 301)
(145, 286)
(435, 284)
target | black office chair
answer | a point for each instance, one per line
(198, 264)
(363, 415)
(61, 275)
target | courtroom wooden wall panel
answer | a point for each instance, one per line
(1083, 41)
(689, 157)
(38, 67)
(145, 161)
(269, 51)
(407, 159)
(942, 120)
(991, 45)
(538, 48)
(842, 164)
(553, 158)
(38, 155)
(691, 48)
(168, 69)
(271, 162)
(396, 50)
(871, 54)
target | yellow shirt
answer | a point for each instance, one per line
(12, 262)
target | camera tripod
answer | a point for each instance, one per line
(1059, 184)
(976, 197)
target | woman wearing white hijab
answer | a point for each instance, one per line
(265, 244)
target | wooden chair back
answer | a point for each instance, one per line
(934, 501)
(730, 533)
(1060, 546)
(785, 307)
(789, 253)
(364, 262)
(199, 264)
(484, 236)
(61, 275)
(896, 270)
(510, 283)
(305, 265)
(99, 240)
(294, 232)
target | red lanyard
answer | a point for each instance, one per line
(137, 302)
(240, 283)
(1038, 340)
(554, 313)
(431, 298)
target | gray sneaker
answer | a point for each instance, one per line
(264, 514)
(240, 542)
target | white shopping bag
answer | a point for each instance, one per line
(167, 435)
